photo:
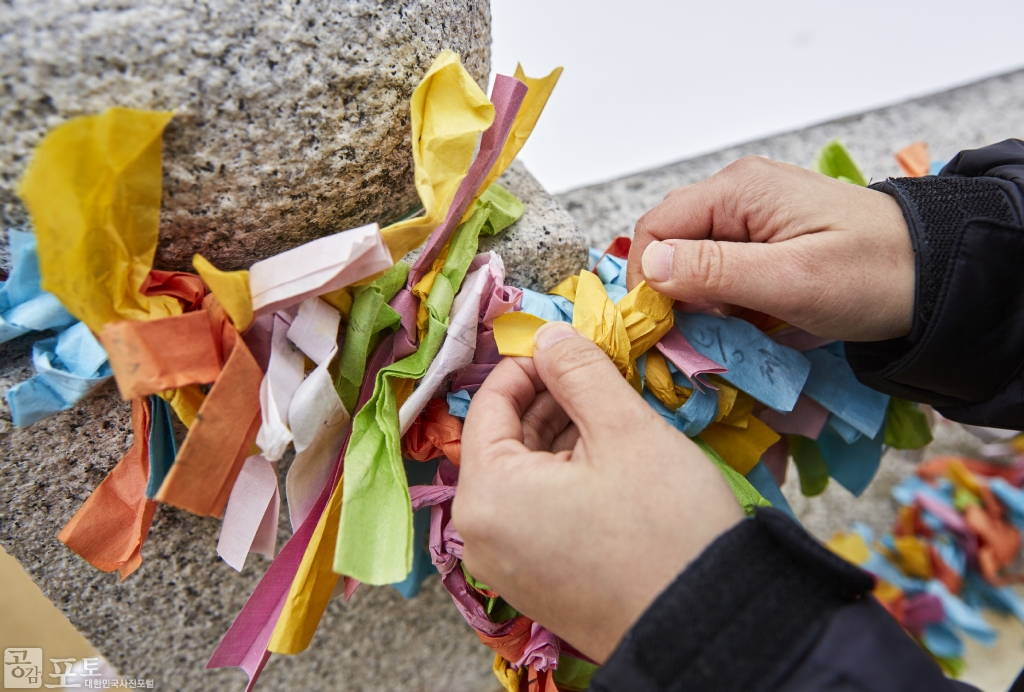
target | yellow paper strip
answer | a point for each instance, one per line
(513, 333)
(93, 191)
(231, 289)
(448, 113)
(740, 448)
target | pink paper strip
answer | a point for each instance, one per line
(807, 418)
(943, 512)
(250, 519)
(245, 643)
(799, 340)
(507, 96)
(776, 459)
(677, 349)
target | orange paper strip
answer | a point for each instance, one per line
(154, 356)
(914, 159)
(109, 529)
(212, 455)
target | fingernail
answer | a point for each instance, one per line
(551, 333)
(714, 312)
(657, 261)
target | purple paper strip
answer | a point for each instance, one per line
(507, 96)
(471, 377)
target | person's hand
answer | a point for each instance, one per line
(576, 501)
(830, 257)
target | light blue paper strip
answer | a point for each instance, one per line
(79, 351)
(962, 616)
(936, 167)
(697, 412)
(852, 465)
(612, 270)
(846, 431)
(593, 255)
(764, 482)
(24, 307)
(458, 403)
(550, 308)
(833, 385)
(51, 389)
(942, 641)
(772, 374)
(615, 292)
(1002, 598)
(23, 284)
(162, 446)
(952, 555)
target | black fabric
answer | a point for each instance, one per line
(739, 617)
(862, 649)
(965, 352)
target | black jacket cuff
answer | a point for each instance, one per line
(963, 354)
(741, 615)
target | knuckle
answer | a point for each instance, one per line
(643, 228)
(707, 269)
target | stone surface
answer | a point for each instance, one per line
(964, 118)
(165, 620)
(292, 117)
(545, 245)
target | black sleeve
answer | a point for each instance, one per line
(766, 607)
(965, 352)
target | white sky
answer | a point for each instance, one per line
(648, 82)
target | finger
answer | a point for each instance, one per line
(695, 212)
(566, 440)
(753, 275)
(585, 383)
(496, 412)
(542, 422)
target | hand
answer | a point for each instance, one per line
(577, 502)
(830, 257)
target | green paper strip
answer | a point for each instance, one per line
(572, 674)
(370, 315)
(745, 493)
(810, 463)
(906, 426)
(835, 162)
(375, 536)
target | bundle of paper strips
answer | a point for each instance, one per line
(367, 366)
(952, 552)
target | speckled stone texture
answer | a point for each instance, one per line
(545, 245)
(292, 116)
(165, 620)
(971, 116)
(968, 117)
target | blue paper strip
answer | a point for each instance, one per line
(697, 412)
(458, 403)
(419, 473)
(51, 389)
(833, 385)
(962, 616)
(764, 482)
(550, 308)
(942, 641)
(852, 465)
(772, 374)
(162, 446)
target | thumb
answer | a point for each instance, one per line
(586, 384)
(761, 276)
